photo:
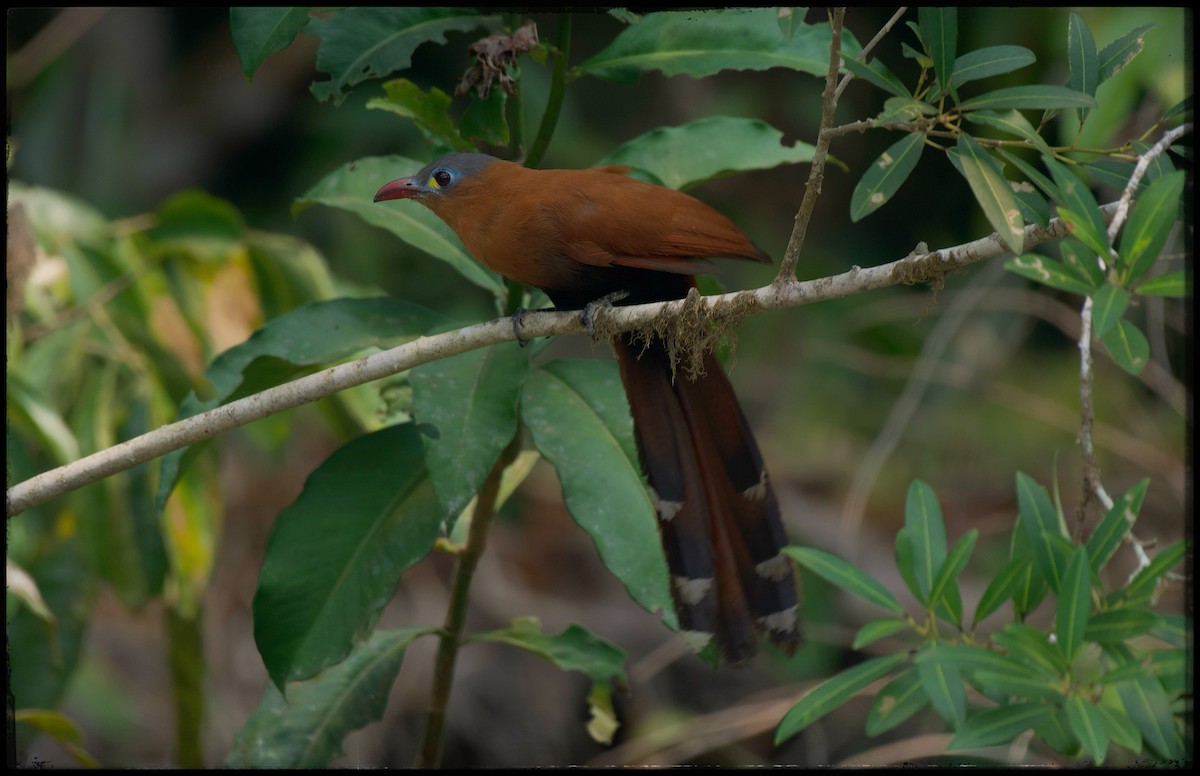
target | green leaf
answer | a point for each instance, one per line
(579, 419)
(1119, 625)
(1005, 684)
(1128, 347)
(885, 177)
(845, 576)
(833, 692)
(700, 43)
(943, 684)
(1040, 520)
(904, 564)
(1120, 727)
(877, 73)
(947, 575)
(1078, 208)
(1056, 732)
(306, 729)
(1082, 262)
(989, 61)
(1113, 57)
(939, 33)
(1074, 604)
(1175, 629)
(1081, 54)
(336, 553)
(485, 121)
(926, 533)
(877, 629)
(1145, 581)
(260, 32)
(706, 149)
(1001, 588)
(1088, 726)
(1115, 526)
(901, 110)
(970, 658)
(1045, 270)
(1149, 225)
(1012, 123)
(899, 700)
(1000, 725)
(992, 191)
(289, 346)
(368, 42)
(1173, 284)
(428, 110)
(352, 187)
(1030, 172)
(466, 408)
(1035, 96)
(1108, 307)
(1147, 705)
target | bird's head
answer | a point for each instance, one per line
(437, 179)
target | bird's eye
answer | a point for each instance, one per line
(441, 178)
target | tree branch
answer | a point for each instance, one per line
(918, 267)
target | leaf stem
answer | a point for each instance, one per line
(430, 754)
(554, 102)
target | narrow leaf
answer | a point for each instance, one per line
(990, 61)
(1000, 725)
(1115, 526)
(1037, 97)
(844, 575)
(877, 629)
(1078, 207)
(1173, 284)
(1149, 225)
(926, 533)
(1085, 264)
(943, 684)
(877, 73)
(1128, 347)
(1088, 726)
(1116, 55)
(1146, 580)
(1081, 54)
(1045, 270)
(955, 562)
(1148, 707)
(1074, 604)
(1012, 123)
(1120, 625)
(899, 700)
(1108, 306)
(1001, 588)
(992, 191)
(939, 33)
(886, 175)
(1003, 685)
(1039, 520)
(833, 692)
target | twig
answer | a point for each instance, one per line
(816, 174)
(911, 269)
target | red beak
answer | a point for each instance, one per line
(401, 188)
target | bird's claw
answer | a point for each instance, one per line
(518, 321)
(588, 315)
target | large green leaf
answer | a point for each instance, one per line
(700, 43)
(1147, 705)
(707, 148)
(939, 33)
(336, 553)
(899, 700)
(293, 344)
(992, 191)
(989, 61)
(579, 419)
(1173, 284)
(428, 110)
(368, 42)
(1109, 304)
(1120, 625)
(1079, 208)
(943, 683)
(1040, 522)
(1045, 270)
(833, 692)
(306, 728)
(885, 177)
(1011, 122)
(466, 406)
(352, 187)
(261, 31)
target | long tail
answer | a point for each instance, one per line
(718, 515)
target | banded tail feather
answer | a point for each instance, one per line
(718, 515)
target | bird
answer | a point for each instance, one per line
(583, 236)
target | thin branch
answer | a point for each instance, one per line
(862, 57)
(918, 267)
(816, 174)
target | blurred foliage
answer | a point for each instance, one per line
(165, 194)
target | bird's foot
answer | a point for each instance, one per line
(589, 311)
(518, 322)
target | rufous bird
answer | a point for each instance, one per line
(585, 235)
